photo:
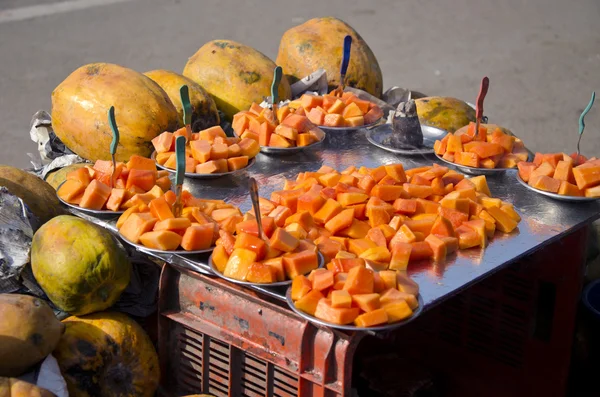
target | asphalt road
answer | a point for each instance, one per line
(542, 56)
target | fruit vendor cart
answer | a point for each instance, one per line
(503, 312)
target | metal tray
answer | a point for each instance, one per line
(476, 171)
(103, 213)
(430, 135)
(157, 251)
(249, 284)
(573, 199)
(193, 175)
(349, 129)
(379, 328)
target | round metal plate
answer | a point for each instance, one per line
(289, 150)
(157, 251)
(247, 283)
(347, 129)
(554, 195)
(193, 175)
(87, 210)
(380, 328)
(377, 135)
(475, 171)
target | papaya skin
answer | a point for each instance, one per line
(107, 354)
(29, 331)
(80, 106)
(11, 387)
(55, 178)
(79, 265)
(446, 113)
(39, 196)
(318, 44)
(235, 75)
(204, 109)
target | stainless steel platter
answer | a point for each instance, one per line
(103, 213)
(157, 251)
(193, 175)
(349, 129)
(380, 328)
(430, 135)
(474, 170)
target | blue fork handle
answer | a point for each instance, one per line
(184, 93)
(345, 57)
(585, 111)
(275, 85)
(180, 159)
(115, 131)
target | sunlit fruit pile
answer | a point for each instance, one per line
(89, 187)
(154, 225)
(489, 149)
(286, 129)
(563, 174)
(209, 151)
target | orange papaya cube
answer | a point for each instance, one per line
(240, 122)
(458, 204)
(297, 122)
(414, 171)
(220, 258)
(136, 224)
(321, 279)
(340, 221)
(249, 147)
(388, 180)
(316, 133)
(439, 147)
(303, 218)
(140, 163)
(467, 237)
(163, 142)
(452, 243)
(219, 151)
(211, 133)
(376, 254)
(329, 248)
(287, 132)
(452, 178)
(162, 158)
(277, 264)
(468, 159)
(238, 264)
(564, 171)
(115, 199)
(378, 173)
(330, 209)
(341, 299)
(545, 183)
(264, 135)
(505, 141)
(305, 140)
(250, 226)
(126, 214)
(336, 107)
(488, 163)
(256, 109)
(442, 227)
(437, 185)
(504, 223)
(333, 120)
(478, 225)
(329, 193)
(552, 158)
(405, 206)
(509, 161)
(248, 134)
(144, 179)
(366, 183)
(545, 169)
(376, 235)
(308, 303)
(397, 311)
(95, 195)
(173, 224)
(485, 149)
(420, 225)
(425, 207)
(198, 237)
(342, 316)
(454, 144)
(592, 191)
(253, 129)
(387, 192)
(261, 273)
(374, 114)
(352, 110)
(587, 175)
(266, 206)
(72, 188)
(283, 241)
(252, 243)
(163, 182)
(404, 234)
(568, 189)
(297, 231)
(344, 255)
(389, 279)
(420, 250)
(234, 150)
(81, 174)
(366, 302)
(359, 281)
(388, 231)
(221, 214)
(340, 280)
(371, 319)
(210, 167)
(289, 198)
(407, 284)
(480, 184)
(355, 121)
(510, 211)
(280, 215)
(306, 245)
(357, 230)
(358, 246)
(164, 240)
(346, 199)
(330, 179)
(343, 265)
(105, 168)
(378, 215)
(300, 287)
(317, 115)
(418, 191)
(392, 294)
(298, 263)
(237, 163)
(401, 252)
(419, 180)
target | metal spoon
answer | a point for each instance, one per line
(255, 204)
(485, 83)
(345, 63)
(187, 110)
(581, 122)
(275, 89)
(179, 174)
(115, 142)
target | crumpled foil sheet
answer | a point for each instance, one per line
(17, 225)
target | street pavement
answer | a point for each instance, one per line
(542, 56)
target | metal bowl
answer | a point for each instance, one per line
(377, 135)
(290, 150)
(348, 129)
(475, 171)
(556, 196)
(247, 283)
(157, 251)
(379, 328)
(87, 210)
(193, 175)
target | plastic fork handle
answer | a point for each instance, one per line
(184, 93)
(115, 131)
(277, 73)
(485, 83)
(180, 159)
(346, 55)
